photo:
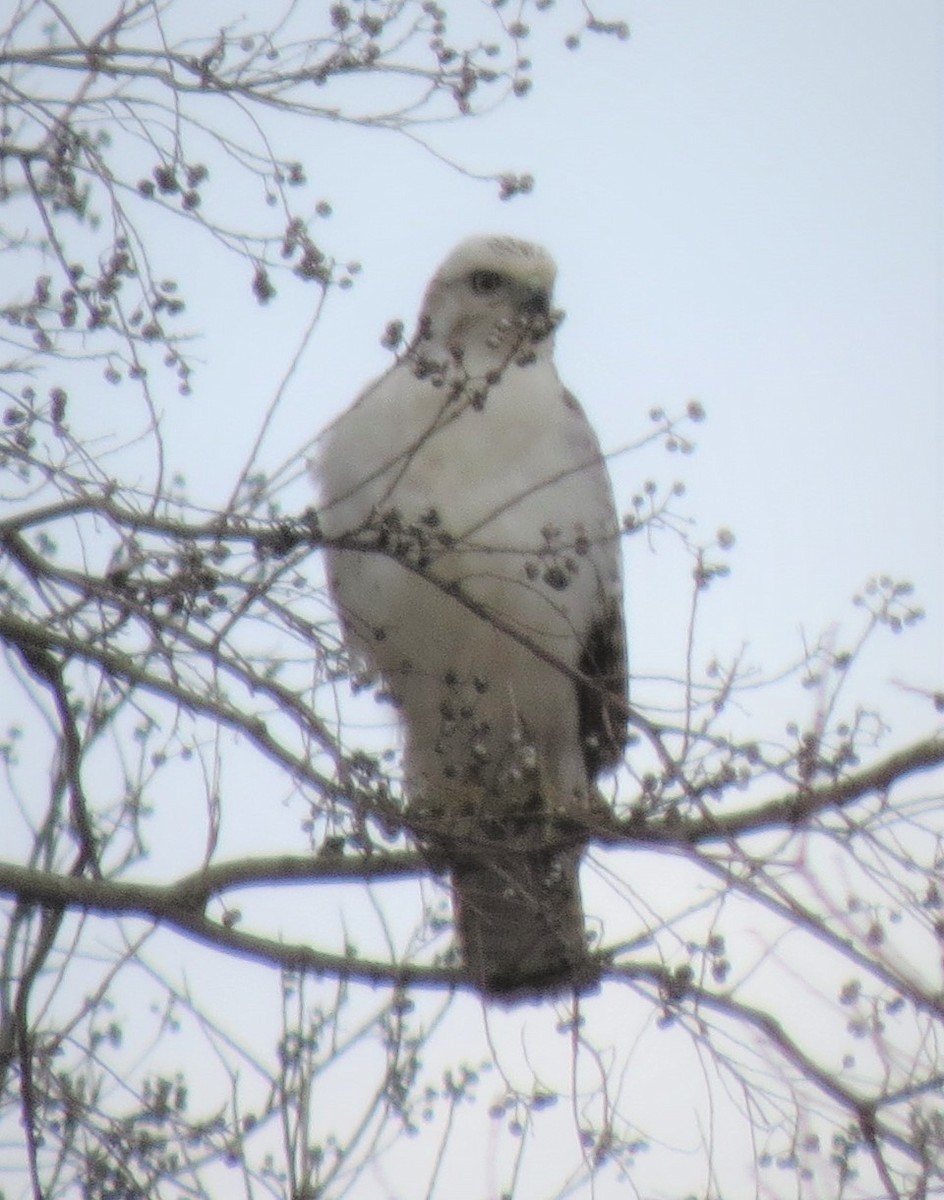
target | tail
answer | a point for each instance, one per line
(520, 923)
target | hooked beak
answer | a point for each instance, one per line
(537, 303)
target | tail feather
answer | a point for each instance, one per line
(520, 923)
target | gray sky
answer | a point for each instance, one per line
(745, 202)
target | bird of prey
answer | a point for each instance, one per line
(473, 557)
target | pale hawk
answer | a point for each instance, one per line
(486, 590)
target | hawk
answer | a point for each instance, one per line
(473, 557)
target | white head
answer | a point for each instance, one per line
(486, 289)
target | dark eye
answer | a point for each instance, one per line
(483, 282)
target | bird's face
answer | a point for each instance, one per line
(490, 295)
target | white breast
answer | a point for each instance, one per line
(519, 487)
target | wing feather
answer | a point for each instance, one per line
(602, 700)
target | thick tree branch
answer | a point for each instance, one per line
(789, 810)
(192, 892)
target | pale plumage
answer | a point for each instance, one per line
(495, 517)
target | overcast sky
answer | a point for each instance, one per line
(745, 203)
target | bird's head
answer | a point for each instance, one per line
(490, 295)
